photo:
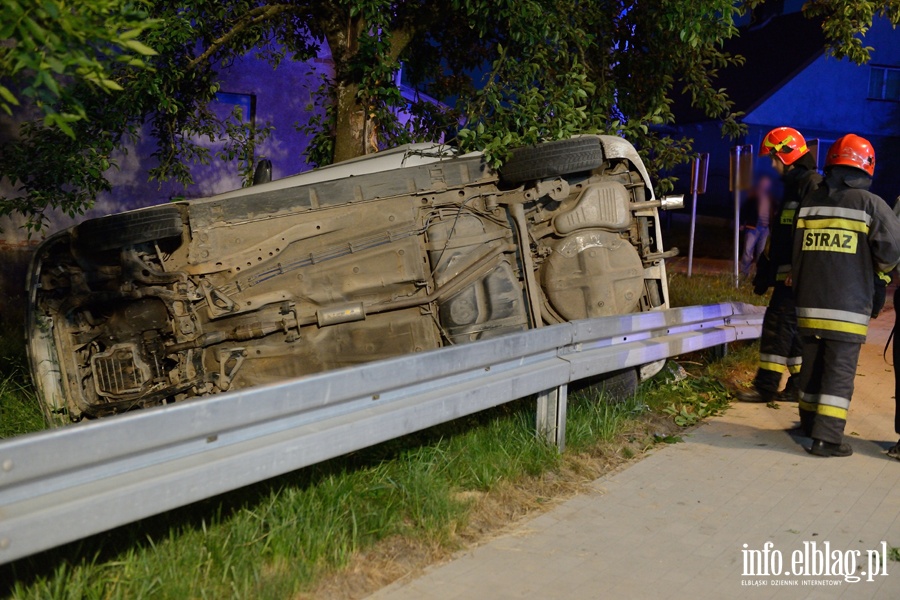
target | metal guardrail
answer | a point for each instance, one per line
(62, 485)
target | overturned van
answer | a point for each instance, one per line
(399, 252)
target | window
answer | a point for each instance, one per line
(884, 83)
(226, 102)
(818, 147)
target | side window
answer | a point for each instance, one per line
(226, 102)
(884, 83)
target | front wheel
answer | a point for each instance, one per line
(130, 228)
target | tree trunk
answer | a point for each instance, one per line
(352, 137)
(350, 122)
(350, 115)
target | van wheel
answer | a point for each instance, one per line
(552, 159)
(127, 229)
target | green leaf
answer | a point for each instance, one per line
(140, 48)
(111, 85)
(8, 96)
(131, 33)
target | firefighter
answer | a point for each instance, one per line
(780, 349)
(844, 235)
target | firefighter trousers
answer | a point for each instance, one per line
(826, 382)
(780, 347)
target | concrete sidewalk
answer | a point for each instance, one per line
(674, 525)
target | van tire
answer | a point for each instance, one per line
(552, 159)
(127, 229)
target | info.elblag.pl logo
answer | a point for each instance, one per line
(812, 562)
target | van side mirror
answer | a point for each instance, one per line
(263, 172)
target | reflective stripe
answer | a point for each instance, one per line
(834, 401)
(795, 361)
(782, 272)
(807, 406)
(770, 366)
(832, 411)
(787, 217)
(789, 213)
(833, 314)
(833, 326)
(793, 369)
(773, 358)
(884, 277)
(845, 224)
(836, 211)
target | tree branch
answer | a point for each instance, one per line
(256, 16)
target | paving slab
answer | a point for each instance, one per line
(677, 523)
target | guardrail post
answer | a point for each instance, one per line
(551, 416)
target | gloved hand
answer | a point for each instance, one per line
(880, 292)
(764, 273)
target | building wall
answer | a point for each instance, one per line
(832, 95)
(282, 98)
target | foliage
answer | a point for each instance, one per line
(697, 398)
(46, 45)
(173, 100)
(607, 67)
(845, 23)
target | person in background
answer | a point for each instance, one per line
(844, 236)
(894, 451)
(780, 349)
(755, 213)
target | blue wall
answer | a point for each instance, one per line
(832, 95)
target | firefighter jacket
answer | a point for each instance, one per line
(844, 235)
(774, 265)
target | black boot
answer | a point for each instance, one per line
(823, 448)
(894, 451)
(754, 395)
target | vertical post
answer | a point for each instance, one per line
(551, 416)
(737, 215)
(695, 185)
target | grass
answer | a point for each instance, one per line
(19, 409)
(370, 515)
(273, 540)
(710, 289)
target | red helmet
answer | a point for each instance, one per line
(784, 143)
(852, 151)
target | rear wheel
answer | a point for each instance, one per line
(552, 159)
